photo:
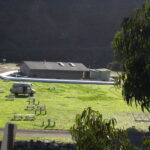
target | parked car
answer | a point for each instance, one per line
(22, 88)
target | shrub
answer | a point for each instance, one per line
(92, 132)
(146, 143)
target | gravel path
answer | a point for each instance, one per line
(8, 67)
(42, 133)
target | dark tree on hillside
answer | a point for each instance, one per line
(132, 44)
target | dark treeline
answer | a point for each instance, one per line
(61, 30)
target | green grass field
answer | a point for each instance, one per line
(65, 101)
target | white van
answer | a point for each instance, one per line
(22, 88)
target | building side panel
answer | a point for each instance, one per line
(56, 74)
(24, 69)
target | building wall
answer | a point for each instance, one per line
(56, 74)
(105, 75)
(100, 75)
(94, 75)
(24, 69)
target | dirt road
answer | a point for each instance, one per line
(42, 133)
(8, 67)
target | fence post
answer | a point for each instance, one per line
(9, 137)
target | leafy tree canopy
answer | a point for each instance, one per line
(132, 44)
(92, 132)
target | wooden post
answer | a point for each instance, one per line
(40, 110)
(9, 137)
(54, 124)
(43, 123)
(33, 100)
(48, 122)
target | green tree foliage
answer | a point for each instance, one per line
(132, 44)
(146, 143)
(92, 132)
(115, 66)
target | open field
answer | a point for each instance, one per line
(65, 101)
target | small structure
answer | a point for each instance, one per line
(27, 117)
(41, 109)
(2, 90)
(30, 107)
(17, 117)
(55, 70)
(10, 97)
(100, 74)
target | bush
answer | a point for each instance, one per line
(146, 143)
(92, 132)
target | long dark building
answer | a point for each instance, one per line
(55, 70)
(66, 30)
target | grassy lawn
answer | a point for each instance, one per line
(65, 101)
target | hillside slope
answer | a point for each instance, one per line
(61, 30)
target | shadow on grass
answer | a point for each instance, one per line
(135, 136)
(93, 97)
(22, 96)
(49, 127)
